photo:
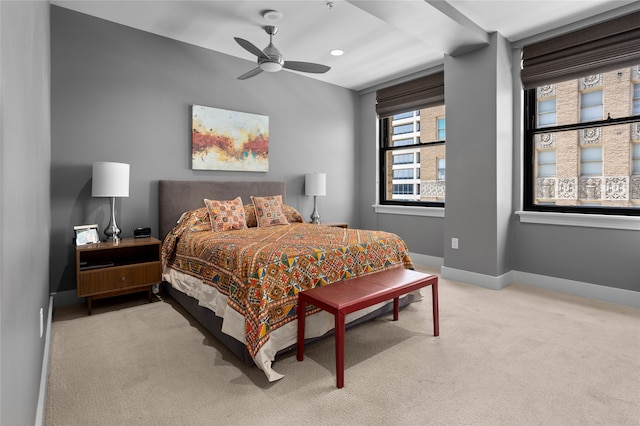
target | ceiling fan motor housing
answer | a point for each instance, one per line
(276, 61)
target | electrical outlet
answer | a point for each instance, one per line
(454, 243)
(41, 322)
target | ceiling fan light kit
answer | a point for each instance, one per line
(271, 60)
(270, 66)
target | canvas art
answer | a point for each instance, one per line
(229, 140)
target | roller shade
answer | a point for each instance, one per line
(595, 49)
(410, 96)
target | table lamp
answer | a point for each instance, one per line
(110, 180)
(315, 184)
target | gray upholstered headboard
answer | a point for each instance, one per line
(178, 196)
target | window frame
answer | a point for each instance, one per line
(529, 158)
(384, 123)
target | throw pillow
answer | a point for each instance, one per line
(226, 215)
(269, 211)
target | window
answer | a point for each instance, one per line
(403, 142)
(591, 106)
(442, 168)
(635, 159)
(403, 174)
(408, 159)
(406, 128)
(441, 129)
(412, 129)
(404, 115)
(546, 112)
(546, 163)
(400, 158)
(584, 144)
(591, 161)
(582, 120)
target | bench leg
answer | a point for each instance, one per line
(339, 329)
(301, 319)
(436, 314)
(396, 308)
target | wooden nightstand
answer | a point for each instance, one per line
(108, 269)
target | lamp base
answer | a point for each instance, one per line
(112, 232)
(315, 216)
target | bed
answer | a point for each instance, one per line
(242, 284)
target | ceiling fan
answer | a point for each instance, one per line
(271, 60)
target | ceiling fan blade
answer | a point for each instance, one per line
(250, 74)
(251, 48)
(306, 67)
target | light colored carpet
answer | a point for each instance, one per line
(518, 356)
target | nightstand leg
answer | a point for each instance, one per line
(89, 300)
(150, 294)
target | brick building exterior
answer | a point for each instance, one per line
(593, 167)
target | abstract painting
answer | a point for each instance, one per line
(229, 140)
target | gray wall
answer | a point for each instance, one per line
(479, 140)
(25, 145)
(607, 257)
(119, 94)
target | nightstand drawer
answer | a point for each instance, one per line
(95, 282)
(113, 268)
(99, 281)
(143, 273)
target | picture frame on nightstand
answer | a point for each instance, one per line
(86, 234)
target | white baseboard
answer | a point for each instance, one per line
(44, 376)
(425, 260)
(578, 288)
(482, 280)
(575, 288)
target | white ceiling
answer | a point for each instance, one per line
(382, 39)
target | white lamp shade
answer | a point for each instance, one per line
(110, 180)
(315, 184)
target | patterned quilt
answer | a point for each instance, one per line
(261, 270)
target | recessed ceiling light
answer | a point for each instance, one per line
(272, 15)
(337, 52)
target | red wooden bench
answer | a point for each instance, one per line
(348, 296)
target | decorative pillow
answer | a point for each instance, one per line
(195, 220)
(226, 215)
(250, 216)
(269, 211)
(290, 213)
